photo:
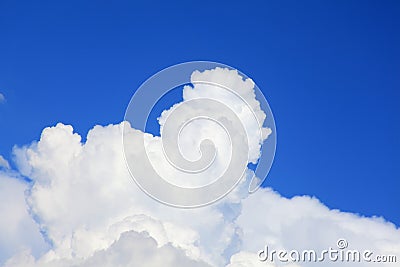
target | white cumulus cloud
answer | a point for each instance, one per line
(91, 213)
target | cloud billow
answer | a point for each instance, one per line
(90, 212)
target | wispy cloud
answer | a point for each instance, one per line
(2, 98)
(4, 163)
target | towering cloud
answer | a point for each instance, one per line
(91, 213)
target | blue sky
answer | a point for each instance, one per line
(329, 69)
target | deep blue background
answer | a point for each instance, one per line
(330, 70)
